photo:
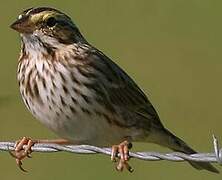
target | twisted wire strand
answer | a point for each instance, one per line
(215, 157)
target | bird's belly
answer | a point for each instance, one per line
(82, 128)
(76, 122)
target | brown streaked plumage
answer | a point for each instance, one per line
(82, 95)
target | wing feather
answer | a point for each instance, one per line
(124, 95)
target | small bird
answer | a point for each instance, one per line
(81, 94)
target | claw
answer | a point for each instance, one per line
(128, 167)
(123, 164)
(123, 150)
(29, 156)
(22, 150)
(19, 164)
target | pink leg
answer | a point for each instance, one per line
(123, 150)
(21, 153)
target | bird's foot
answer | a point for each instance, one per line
(123, 150)
(22, 150)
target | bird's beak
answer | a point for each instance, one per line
(22, 25)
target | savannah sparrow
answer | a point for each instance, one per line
(81, 94)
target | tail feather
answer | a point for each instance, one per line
(171, 141)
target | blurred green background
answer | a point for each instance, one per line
(173, 51)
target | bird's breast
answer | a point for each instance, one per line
(57, 97)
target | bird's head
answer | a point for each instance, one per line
(47, 24)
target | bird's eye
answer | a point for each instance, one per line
(51, 22)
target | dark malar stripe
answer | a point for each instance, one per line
(49, 49)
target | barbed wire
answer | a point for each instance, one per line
(215, 157)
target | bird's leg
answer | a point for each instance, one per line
(123, 150)
(20, 152)
(23, 148)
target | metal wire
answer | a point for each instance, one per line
(215, 157)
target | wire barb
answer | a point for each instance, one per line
(218, 152)
(215, 157)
